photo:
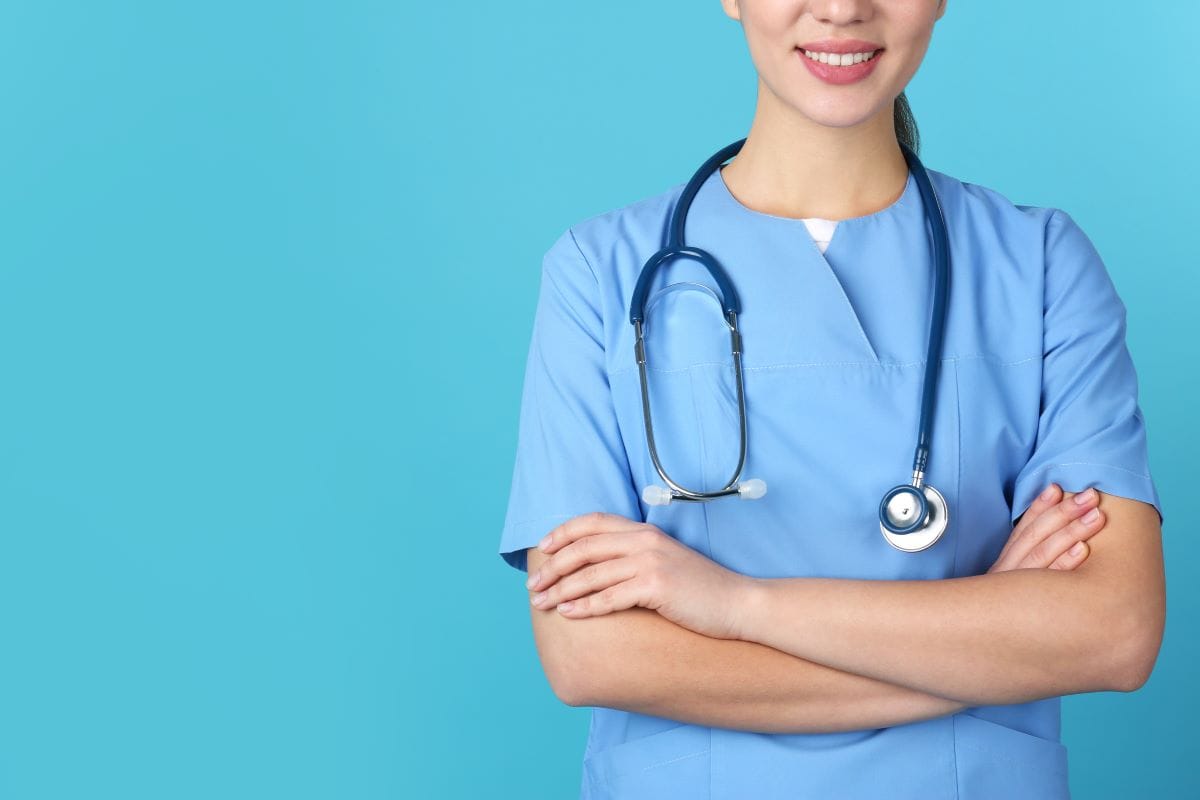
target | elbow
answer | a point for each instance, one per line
(569, 685)
(565, 648)
(576, 684)
(572, 696)
(585, 669)
(565, 666)
(1137, 649)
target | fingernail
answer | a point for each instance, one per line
(1048, 493)
(544, 542)
(538, 598)
(1091, 516)
(1084, 497)
(1077, 548)
(565, 606)
(533, 579)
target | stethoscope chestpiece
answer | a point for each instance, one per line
(912, 518)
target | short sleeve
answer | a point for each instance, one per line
(1090, 428)
(570, 456)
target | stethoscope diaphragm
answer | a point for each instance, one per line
(915, 525)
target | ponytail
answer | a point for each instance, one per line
(906, 124)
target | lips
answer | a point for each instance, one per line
(838, 75)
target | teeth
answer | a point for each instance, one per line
(840, 59)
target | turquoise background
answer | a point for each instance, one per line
(267, 278)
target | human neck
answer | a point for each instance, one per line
(793, 167)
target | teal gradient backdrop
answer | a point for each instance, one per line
(267, 277)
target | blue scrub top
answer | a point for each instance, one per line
(1036, 386)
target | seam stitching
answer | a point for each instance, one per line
(799, 364)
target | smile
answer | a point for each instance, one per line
(840, 59)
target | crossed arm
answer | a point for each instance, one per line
(637, 660)
(846, 654)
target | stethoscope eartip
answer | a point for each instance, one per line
(752, 489)
(656, 496)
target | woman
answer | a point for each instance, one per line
(781, 647)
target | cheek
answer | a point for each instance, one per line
(770, 28)
(910, 55)
(910, 28)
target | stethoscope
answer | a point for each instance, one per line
(912, 516)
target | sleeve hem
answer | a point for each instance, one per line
(1076, 476)
(519, 536)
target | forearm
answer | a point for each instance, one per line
(997, 638)
(638, 661)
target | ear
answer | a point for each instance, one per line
(941, 9)
(733, 12)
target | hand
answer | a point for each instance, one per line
(605, 562)
(1046, 532)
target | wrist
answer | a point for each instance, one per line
(751, 607)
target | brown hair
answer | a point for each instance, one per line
(906, 124)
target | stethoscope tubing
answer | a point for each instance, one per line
(917, 492)
(937, 321)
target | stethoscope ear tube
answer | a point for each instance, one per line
(658, 495)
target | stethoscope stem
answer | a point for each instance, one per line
(917, 478)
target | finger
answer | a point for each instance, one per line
(588, 550)
(1045, 552)
(1052, 519)
(1059, 516)
(1073, 557)
(614, 598)
(582, 525)
(591, 578)
(1049, 496)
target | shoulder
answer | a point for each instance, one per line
(1047, 236)
(603, 237)
(590, 267)
(1040, 250)
(983, 206)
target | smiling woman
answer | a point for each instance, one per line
(782, 647)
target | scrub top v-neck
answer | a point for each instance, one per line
(1036, 385)
(821, 230)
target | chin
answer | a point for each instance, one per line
(837, 115)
